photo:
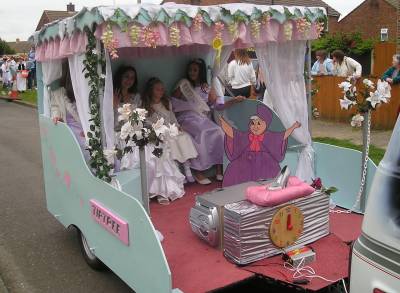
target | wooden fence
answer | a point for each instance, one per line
(382, 58)
(327, 102)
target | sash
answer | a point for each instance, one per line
(191, 95)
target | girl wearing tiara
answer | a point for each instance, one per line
(157, 104)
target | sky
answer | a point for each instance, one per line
(19, 18)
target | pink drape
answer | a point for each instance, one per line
(272, 32)
(58, 49)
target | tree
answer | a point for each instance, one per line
(349, 43)
(5, 48)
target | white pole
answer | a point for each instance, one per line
(308, 85)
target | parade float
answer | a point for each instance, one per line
(118, 226)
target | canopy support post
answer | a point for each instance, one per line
(308, 85)
(143, 181)
(101, 51)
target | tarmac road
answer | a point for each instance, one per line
(36, 253)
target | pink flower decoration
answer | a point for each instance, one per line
(317, 183)
(149, 36)
(218, 28)
(67, 179)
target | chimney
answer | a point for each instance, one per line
(70, 7)
(17, 40)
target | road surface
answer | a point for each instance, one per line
(36, 253)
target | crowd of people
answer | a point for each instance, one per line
(339, 65)
(20, 70)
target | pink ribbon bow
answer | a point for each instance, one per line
(255, 142)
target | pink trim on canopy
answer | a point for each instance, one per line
(58, 49)
(273, 32)
(188, 50)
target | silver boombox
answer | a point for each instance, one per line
(206, 217)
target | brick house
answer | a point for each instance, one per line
(20, 47)
(333, 15)
(369, 18)
(53, 15)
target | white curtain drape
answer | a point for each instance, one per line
(283, 66)
(52, 70)
(108, 108)
(218, 67)
(81, 89)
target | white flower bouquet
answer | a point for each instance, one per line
(365, 99)
(136, 132)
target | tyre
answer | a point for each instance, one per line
(88, 255)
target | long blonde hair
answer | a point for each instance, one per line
(242, 57)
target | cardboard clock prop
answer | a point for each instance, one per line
(254, 153)
(286, 226)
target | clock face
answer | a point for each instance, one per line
(286, 226)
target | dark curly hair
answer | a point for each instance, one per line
(147, 95)
(118, 79)
(202, 79)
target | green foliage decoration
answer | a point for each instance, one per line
(93, 61)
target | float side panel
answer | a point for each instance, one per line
(341, 167)
(70, 187)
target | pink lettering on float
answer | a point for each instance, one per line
(109, 221)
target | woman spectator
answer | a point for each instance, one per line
(345, 66)
(323, 65)
(241, 74)
(392, 75)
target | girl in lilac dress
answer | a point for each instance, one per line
(63, 109)
(192, 103)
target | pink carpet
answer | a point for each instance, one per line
(197, 267)
(346, 226)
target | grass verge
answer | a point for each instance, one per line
(29, 96)
(375, 153)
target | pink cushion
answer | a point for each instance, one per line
(260, 195)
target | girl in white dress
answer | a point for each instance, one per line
(21, 79)
(158, 105)
(165, 182)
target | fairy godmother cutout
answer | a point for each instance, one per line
(254, 154)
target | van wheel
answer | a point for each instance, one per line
(88, 255)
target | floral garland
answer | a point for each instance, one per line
(136, 132)
(233, 29)
(134, 34)
(198, 23)
(149, 36)
(98, 161)
(255, 27)
(288, 30)
(368, 100)
(174, 35)
(266, 19)
(303, 26)
(110, 43)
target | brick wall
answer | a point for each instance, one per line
(369, 18)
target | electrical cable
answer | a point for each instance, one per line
(302, 271)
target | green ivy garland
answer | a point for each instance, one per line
(93, 60)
